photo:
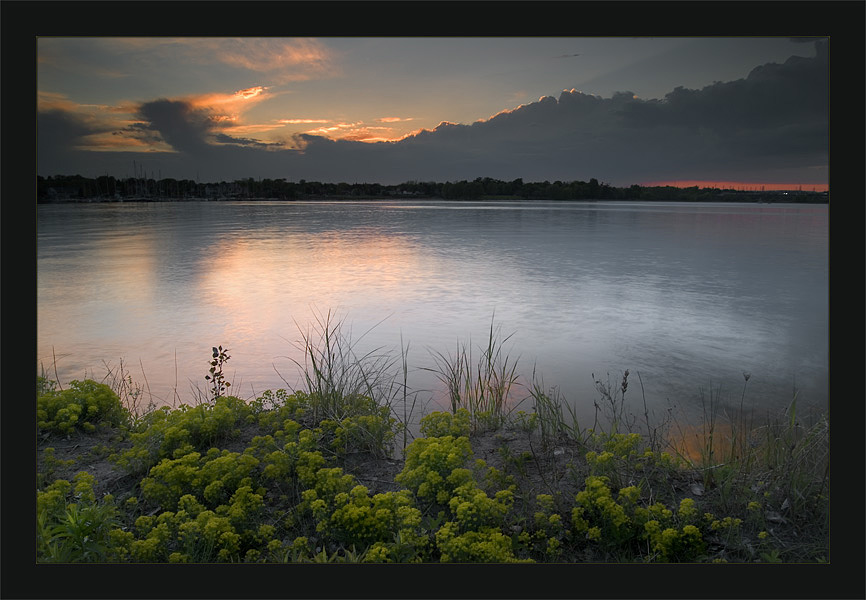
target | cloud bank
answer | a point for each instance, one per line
(769, 126)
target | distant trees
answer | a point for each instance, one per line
(73, 188)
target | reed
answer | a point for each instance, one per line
(335, 375)
(483, 387)
(548, 404)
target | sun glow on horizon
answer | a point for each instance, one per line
(748, 186)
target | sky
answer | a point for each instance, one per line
(748, 111)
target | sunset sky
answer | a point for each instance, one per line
(746, 111)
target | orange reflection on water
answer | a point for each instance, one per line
(337, 268)
(709, 443)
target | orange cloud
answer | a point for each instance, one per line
(336, 127)
(393, 120)
(225, 110)
(283, 59)
(118, 143)
(52, 101)
(247, 129)
(250, 92)
(301, 121)
(355, 132)
(267, 54)
(366, 134)
(237, 101)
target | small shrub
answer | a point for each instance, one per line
(72, 526)
(167, 433)
(430, 462)
(440, 424)
(488, 545)
(84, 405)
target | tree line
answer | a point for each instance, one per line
(75, 188)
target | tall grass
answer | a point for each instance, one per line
(552, 422)
(335, 374)
(483, 387)
(339, 378)
(780, 461)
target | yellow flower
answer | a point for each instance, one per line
(763, 535)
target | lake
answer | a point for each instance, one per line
(688, 295)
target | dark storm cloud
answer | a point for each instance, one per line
(59, 132)
(181, 125)
(773, 123)
(775, 117)
(59, 126)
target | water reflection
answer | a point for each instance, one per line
(687, 295)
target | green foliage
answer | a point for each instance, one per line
(167, 433)
(50, 463)
(84, 405)
(274, 408)
(365, 427)
(229, 533)
(620, 525)
(358, 519)
(430, 463)
(440, 424)
(526, 422)
(44, 385)
(542, 537)
(620, 458)
(488, 545)
(671, 544)
(286, 497)
(597, 509)
(213, 477)
(472, 508)
(72, 526)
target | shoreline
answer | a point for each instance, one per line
(802, 199)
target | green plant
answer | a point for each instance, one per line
(429, 464)
(548, 415)
(214, 477)
(194, 494)
(167, 433)
(484, 388)
(217, 378)
(84, 405)
(335, 375)
(487, 545)
(613, 404)
(72, 526)
(44, 385)
(49, 465)
(359, 519)
(439, 424)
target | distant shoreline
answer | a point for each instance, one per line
(738, 197)
(732, 200)
(75, 188)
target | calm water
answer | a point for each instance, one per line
(688, 295)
